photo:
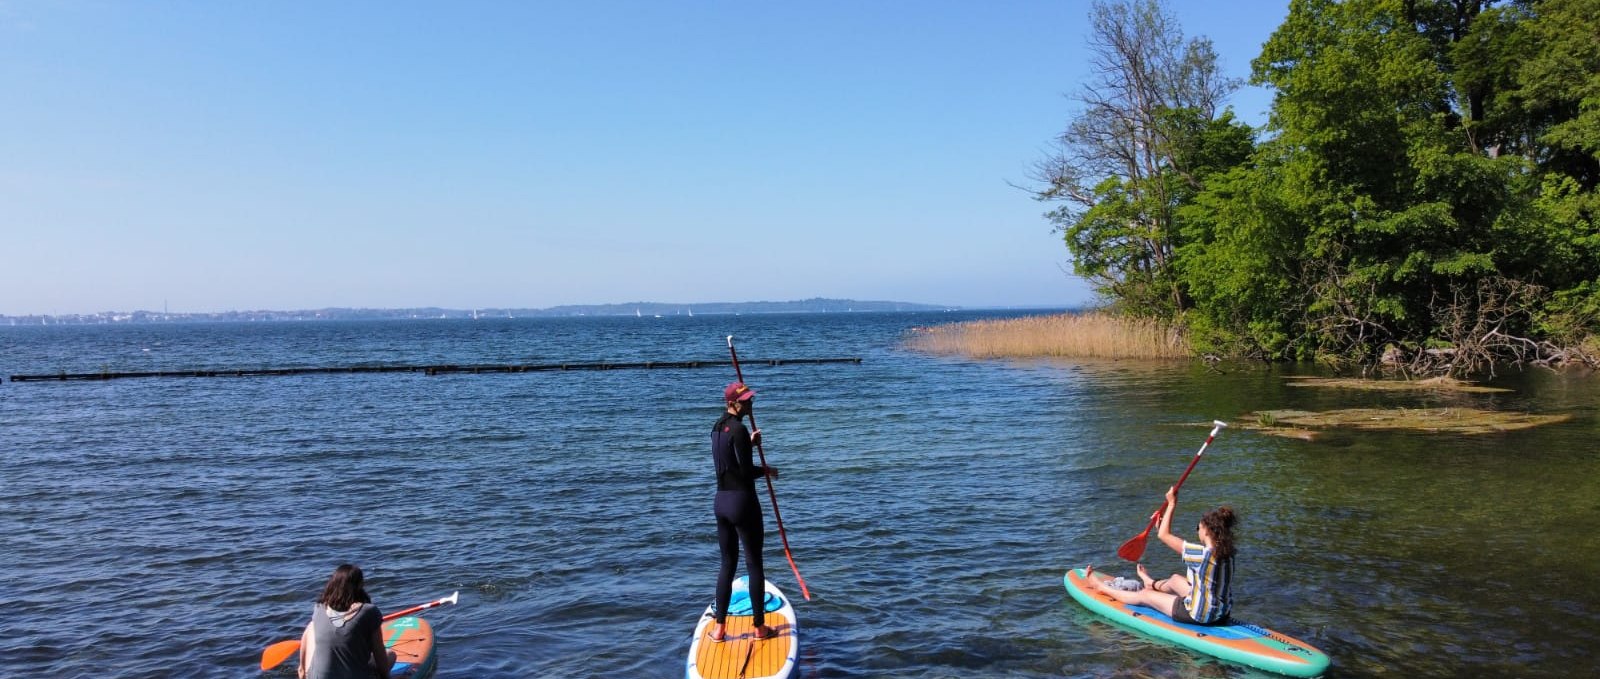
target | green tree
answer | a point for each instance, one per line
(1369, 206)
(1556, 91)
(1135, 153)
(1427, 182)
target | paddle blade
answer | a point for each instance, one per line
(1133, 550)
(279, 652)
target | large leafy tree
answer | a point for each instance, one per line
(1427, 183)
(1555, 94)
(1147, 133)
(1398, 199)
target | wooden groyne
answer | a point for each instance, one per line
(424, 369)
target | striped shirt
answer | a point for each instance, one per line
(1211, 598)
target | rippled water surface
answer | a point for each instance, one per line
(177, 526)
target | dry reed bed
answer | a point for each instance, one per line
(1081, 335)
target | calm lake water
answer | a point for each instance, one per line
(176, 527)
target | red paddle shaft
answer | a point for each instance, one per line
(1133, 549)
(771, 494)
(422, 607)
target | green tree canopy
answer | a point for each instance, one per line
(1426, 182)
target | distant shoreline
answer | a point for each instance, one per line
(639, 309)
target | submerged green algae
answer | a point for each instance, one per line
(1430, 384)
(1303, 424)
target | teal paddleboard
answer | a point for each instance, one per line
(1238, 642)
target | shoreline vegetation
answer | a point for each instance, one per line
(1090, 334)
(1430, 208)
(1106, 334)
(1101, 334)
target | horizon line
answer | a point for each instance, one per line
(495, 311)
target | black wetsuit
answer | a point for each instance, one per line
(738, 513)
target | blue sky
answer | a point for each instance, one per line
(216, 156)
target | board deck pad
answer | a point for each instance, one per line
(1238, 642)
(741, 655)
(411, 639)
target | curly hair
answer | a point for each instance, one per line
(344, 588)
(1219, 523)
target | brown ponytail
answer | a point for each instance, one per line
(1219, 523)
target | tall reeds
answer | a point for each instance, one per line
(1093, 334)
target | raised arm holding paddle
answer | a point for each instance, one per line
(1203, 594)
(771, 494)
(1133, 549)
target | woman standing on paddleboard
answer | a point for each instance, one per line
(737, 509)
(345, 637)
(1203, 594)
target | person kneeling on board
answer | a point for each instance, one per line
(1203, 594)
(344, 639)
(738, 511)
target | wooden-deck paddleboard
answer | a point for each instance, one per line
(741, 655)
(411, 639)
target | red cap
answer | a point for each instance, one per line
(738, 392)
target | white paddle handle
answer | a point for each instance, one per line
(1216, 426)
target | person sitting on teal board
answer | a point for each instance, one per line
(1203, 594)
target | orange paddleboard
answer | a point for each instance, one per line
(411, 639)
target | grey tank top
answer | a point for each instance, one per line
(343, 647)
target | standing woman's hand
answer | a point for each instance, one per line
(1172, 498)
(755, 438)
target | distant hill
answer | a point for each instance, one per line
(814, 305)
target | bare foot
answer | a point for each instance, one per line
(1097, 583)
(765, 632)
(1149, 582)
(716, 632)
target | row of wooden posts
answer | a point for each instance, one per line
(476, 369)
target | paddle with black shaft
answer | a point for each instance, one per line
(1133, 549)
(283, 650)
(771, 494)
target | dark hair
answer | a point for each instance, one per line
(344, 589)
(1219, 523)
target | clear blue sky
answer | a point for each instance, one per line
(272, 155)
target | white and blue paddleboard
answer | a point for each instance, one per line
(740, 655)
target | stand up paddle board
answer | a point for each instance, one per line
(740, 655)
(1238, 642)
(411, 639)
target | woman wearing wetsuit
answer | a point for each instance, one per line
(737, 510)
(1203, 594)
